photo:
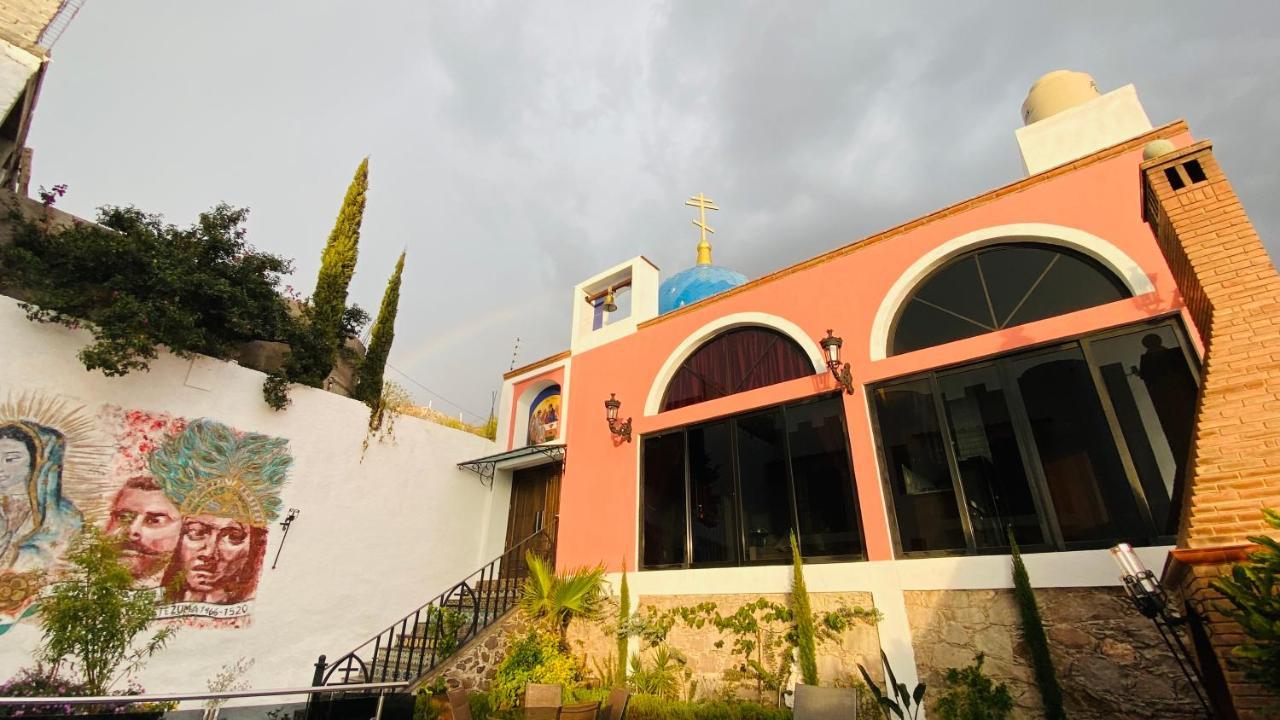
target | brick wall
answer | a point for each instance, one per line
(1232, 291)
(23, 20)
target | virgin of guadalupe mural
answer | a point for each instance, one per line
(226, 487)
(45, 442)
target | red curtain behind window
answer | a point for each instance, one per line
(734, 362)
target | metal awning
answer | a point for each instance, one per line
(527, 456)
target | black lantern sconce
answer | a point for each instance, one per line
(831, 346)
(284, 525)
(620, 430)
(1149, 598)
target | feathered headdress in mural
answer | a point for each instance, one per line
(209, 469)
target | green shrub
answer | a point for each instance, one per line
(805, 636)
(648, 707)
(1254, 592)
(662, 677)
(534, 658)
(971, 695)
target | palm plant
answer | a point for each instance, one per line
(557, 599)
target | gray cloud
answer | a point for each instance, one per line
(517, 148)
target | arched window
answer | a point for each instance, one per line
(736, 361)
(999, 287)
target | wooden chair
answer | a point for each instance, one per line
(616, 706)
(820, 703)
(460, 704)
(536, 695)
(581, 711)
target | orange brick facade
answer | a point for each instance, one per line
(1232, 291)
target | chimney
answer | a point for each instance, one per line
(1066, 118)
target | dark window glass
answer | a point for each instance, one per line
(1087, 483)
(766, 495)
(715, 533)
(923, 495)
(825, 499)
(736, 361)
(664, 500)
(1153, 391)
(986, 450)
(999, 287)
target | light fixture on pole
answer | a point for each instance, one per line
(1149, 598)
(831, 347)
(284, 525)
(621, 430)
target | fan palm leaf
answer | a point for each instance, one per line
(558, 599)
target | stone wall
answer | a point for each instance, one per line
(1109, 659)
(837, 660)
(473, 667)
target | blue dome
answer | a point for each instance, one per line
(693, 284)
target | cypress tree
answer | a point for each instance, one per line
(369, 375)
(624, 616)
(802, 616)
(337, 265)
(1033, 634)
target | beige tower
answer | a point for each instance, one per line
(1066, 118)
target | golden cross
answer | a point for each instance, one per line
(703, 204)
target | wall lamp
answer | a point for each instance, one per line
(831, 346)
(284, 525)
(620, 430)
(1151, 601)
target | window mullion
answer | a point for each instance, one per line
(688, 504)
(1030, 452)
(1117, 436)
(791, 479)
(737, 493)
(962, 503)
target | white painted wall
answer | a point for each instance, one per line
(1082, 130)
(375, 538)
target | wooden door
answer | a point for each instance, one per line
(535, 499)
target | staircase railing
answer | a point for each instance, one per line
(422, 639)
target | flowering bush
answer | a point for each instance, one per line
(41, 682)
(534, 658)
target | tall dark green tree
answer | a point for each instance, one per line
(369, 375)
(624, 619)
(1034, 635)
(802, 614)
(315, 360)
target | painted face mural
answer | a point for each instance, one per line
(191, 503)
(148, 525)
(226, 486)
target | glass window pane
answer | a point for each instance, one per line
(922, 326)
(664, 500)
(715, 532)
(1154, 394)
(923, 497)
(1091, 495)
(1073, 283)
(995, 482)
(766, 497)
(958, 288)
(825, 500)
(736, 361)
(1010, 272)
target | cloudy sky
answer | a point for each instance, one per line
(517, 148)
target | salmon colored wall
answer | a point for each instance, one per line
(598, 514)
(555, 375)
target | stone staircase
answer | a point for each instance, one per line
(416, 644)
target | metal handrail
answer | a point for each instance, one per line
(408, 648)
(224, 695)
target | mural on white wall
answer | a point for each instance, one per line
(190, 500)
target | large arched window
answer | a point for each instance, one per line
(999, 287)
(736, 361)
